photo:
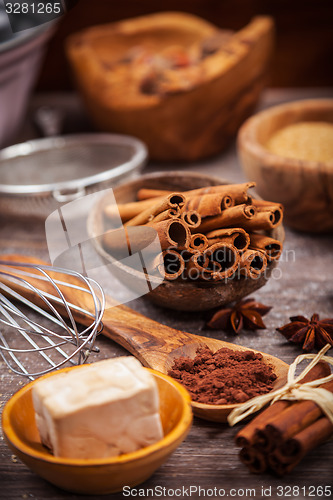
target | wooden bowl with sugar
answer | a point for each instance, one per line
(179, 294)
(288, 151)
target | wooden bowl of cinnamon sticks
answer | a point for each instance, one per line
(216, 243)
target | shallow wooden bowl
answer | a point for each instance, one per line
(305, 188)
(186, 124)
(179, 295)
(97, 476)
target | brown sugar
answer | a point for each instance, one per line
(312, 141)
(223, 377)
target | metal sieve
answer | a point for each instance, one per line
(36, 177)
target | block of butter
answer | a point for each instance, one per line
(99, 410)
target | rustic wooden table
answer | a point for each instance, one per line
(207, 459)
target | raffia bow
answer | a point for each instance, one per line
(293, 390)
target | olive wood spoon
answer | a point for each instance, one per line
(154, 344)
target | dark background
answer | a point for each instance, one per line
(304, 34)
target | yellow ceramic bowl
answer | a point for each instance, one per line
(97, 476)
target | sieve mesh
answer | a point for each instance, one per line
(39, 176)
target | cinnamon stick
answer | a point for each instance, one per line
(122, 242)
(235, 236)
(172, 201)
(208, 204)
(148, 193)
(199, 267)
(171, 213)
(192, 218)
(265, 203)
(127, 240)
(171, 233)
(276, 209)
(172, 265)
(224, 255)
(276, 213)
(254, 459)
(218, 262)
(198, 242)
(246, 436)
(237, 192)
(230, 217)
(301, 444)
(294, 449)
(264, 219)
(252, 264)
(128, 211)
(271, 247)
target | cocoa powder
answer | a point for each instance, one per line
(223, 377)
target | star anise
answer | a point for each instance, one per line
(245, 314)
(312, 333)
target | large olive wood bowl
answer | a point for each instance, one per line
(305, 188)
(194, 120)
(179, 295)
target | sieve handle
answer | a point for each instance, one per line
(66, 196)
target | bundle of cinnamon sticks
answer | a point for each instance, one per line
(210, 233)
(281, 435)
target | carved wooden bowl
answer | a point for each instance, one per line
(305, 188)
(180, 295)
(208, 100)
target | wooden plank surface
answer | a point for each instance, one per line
(208, 457)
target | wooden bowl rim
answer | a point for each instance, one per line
(178, 432)
(247, 140)
(167, 18)
(176, 20)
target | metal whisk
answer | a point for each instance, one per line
(42, 331)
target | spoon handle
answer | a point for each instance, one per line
(148, 340)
